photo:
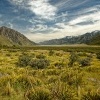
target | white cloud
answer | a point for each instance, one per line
(41, 37)
(10, 25)
(45, 11)
(89, 17)
(64, 4)
(18, 2)
(0, 16)
(1, 22)
(42, 8)
(67, 31)
(38, 27)
(36, 20)
(70, 28)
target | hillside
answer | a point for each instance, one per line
(88, 38)
(10, 37)
(95, 40)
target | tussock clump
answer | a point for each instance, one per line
(8, 90)
(38, 94)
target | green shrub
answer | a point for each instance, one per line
(73, 58)
(58, 54)
(53, 72)
(8, 54)
(98, 55)
(51, 52)
(82, 54)
(85, 62)
(33, 55)
(41, 56)
(59, 64)
(24, 60)
(39, 63)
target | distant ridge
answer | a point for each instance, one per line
(10, 37)
(95, 40)
(92, 38)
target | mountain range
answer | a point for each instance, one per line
(92, 38)
(10, 37)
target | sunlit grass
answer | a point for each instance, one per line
(50, 83)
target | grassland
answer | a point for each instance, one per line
(56, 81)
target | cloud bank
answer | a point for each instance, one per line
(42, 20)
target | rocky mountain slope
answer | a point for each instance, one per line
(88, 38)
(10, 37)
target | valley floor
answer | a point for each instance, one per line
(50, 73)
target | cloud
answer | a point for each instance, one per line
(0, 19)
(1, 22)
(66, 4)
(41, 37)
(73, 27)
(44, 29)
(42, 8)
(0, 15)
(17, 2)
(69, 28)
(36, 20)
(49, 19)
(37, 28)
(67, 31)
(10, 25)
(85, 18)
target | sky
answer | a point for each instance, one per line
(41, 20)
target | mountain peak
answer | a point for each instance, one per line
(4, 27)
(87, 38)
(11, 37)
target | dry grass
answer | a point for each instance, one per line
(51, 83)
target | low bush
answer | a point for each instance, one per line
(39, 63)
(24, 60)
(85, 62)
(8, 54)
(59, 64)
(98, 55)
(41, 56)
(73, 58)
(52, 72)
(58, 54)
(51, 52)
